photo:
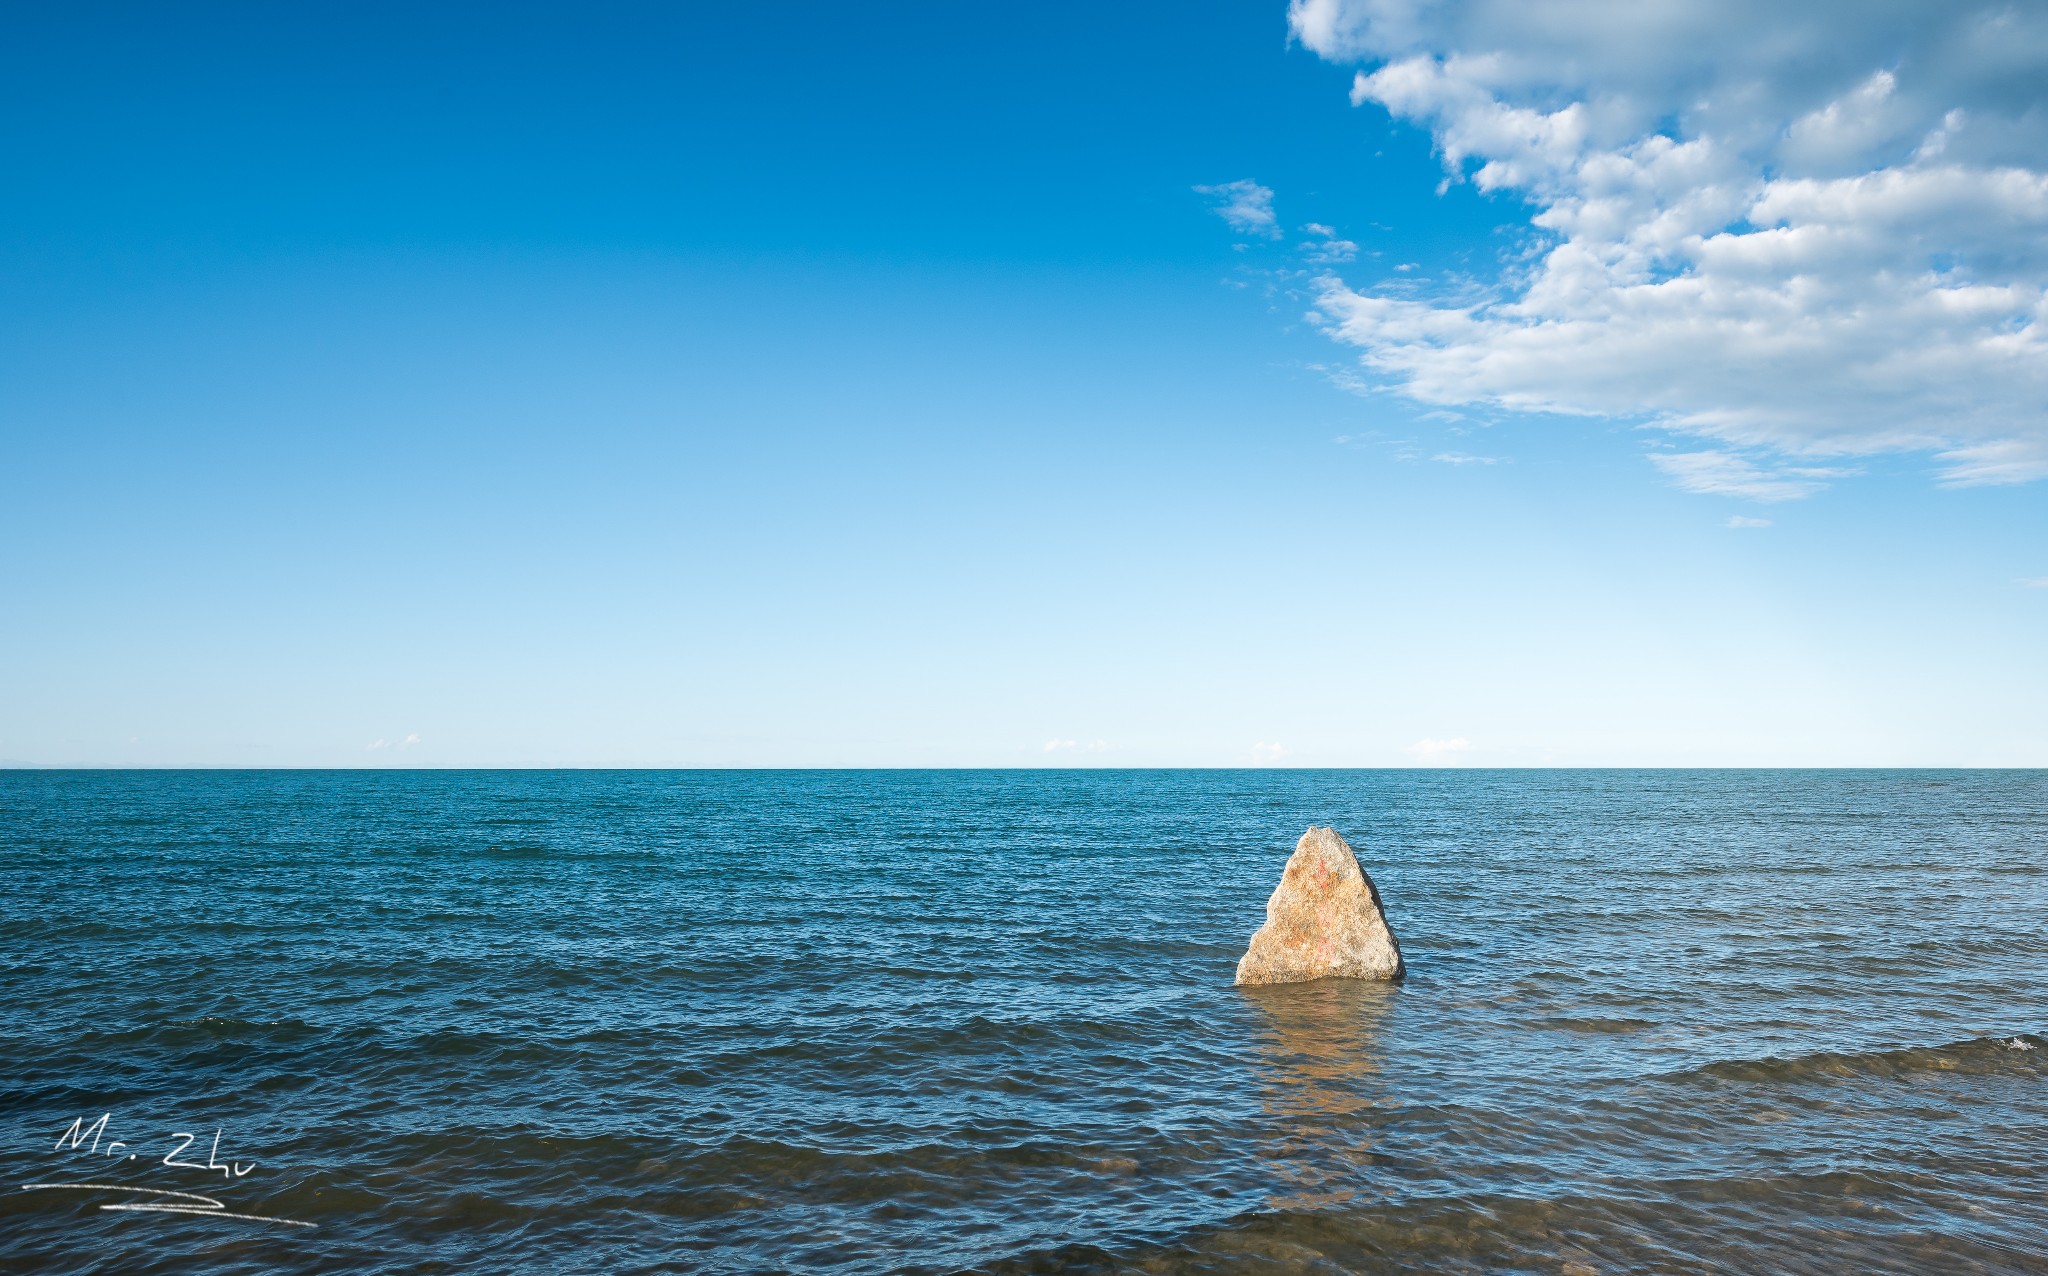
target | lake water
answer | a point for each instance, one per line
(927, 1021)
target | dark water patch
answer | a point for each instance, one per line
(2019, 1055)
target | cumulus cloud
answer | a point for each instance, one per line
(1804, 231)
(1247, 206)
(1269, 753)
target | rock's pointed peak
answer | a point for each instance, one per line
(1323, 920)
(1321, 860)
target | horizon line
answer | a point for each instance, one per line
(1831, 766)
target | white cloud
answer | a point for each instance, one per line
(374, 745)
(1266, 753)
(406, 743)
(1324, 247)
(1739, 520)
(1464, 458)
(1758, 223)
(2037, 582)
(1246, 205)
(1438, 751)
(1726, 474)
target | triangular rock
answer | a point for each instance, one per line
(1323, 921)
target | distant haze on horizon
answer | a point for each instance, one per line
(1344, 384)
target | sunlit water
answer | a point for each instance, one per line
(878, 1021)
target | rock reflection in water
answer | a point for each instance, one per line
(1322, 1087)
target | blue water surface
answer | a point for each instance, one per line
(934, 1021)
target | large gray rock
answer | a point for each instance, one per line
(1324, 921)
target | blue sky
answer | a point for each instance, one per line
(823, 385)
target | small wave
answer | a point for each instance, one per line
(1976, 1056)
(1569, 1023)
(1789, 1223)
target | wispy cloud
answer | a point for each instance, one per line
(406, 743)
(1075, 746)
(1246, 205)
(1726, 474)
(1438, 751)
(1743, 520)
(1269, 753)
(2035, 582)
(1324, 247)
(1464, 458)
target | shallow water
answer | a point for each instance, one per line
(940, 1021)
